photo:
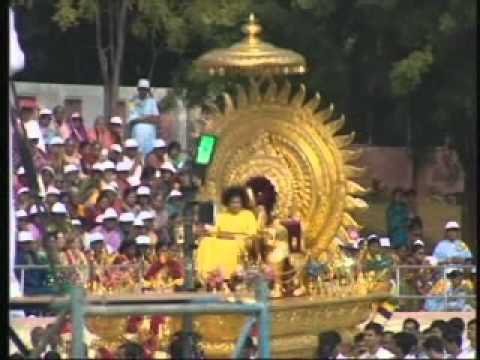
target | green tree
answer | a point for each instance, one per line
(176, 23)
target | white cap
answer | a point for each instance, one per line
(76, 115)
(452, 225)
(116, 147)
(143, 240)
(23, 190)
(126, 217)
(59, 208)
(21, 214)
(123, 166)
(95, 236)
(159, 143)
(418, 242)
(21, 170)
(131, 143)
(143, 190)
(97, 166)
(24, 236)
(138, 222)
(52, 190)
(99, 219)
(169, 167)
(76, 222)
(175, 193)
(69, 168)
(133, 181)
(146, 215)
(110, 213)
(143, 83)
(108, 165)
(57, 140)
(45, 111)
(385, 242)
(116, 120)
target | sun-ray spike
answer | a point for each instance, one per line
(284, 94)
(326, 114)
(313, 103)
(342, 233)
(299, 97)
(229, 106)
(271, 92)
(242, 100)
(353, 171)
(353, 203)
(334, 126)
(355, 189)
(351, 155)
(254, 92)
(348, 221)
(344, 140)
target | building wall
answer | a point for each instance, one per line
(392, 167)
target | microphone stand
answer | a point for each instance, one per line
(189, 245)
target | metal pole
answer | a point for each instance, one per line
(172, 309)
(188, 247)
(246, 331)
(444, 274)
(22, 280)
(398, 280)
(264, 319)
(77, 319)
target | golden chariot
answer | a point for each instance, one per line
(272, 134)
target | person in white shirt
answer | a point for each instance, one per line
(434, 348)
(405, 345)
(452, 250)
(469, 352)
(328, 345)
(453, 343)
(373, 336)
(459, 324)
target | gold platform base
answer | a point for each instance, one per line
(296, 324)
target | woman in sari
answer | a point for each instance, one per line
(222, 249)
(73, 257)
(101, 133)
(416, 281)
(77, 128)
(397, 220)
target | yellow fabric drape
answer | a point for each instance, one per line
(224, 254)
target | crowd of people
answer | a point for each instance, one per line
(114, 195)
(103, 198)
(448, 270)
(452, 339)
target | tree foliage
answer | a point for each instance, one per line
(398, 69)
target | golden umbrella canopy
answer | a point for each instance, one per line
(252, 56)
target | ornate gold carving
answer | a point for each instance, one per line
(295, 148)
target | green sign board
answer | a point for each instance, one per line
(206, 149)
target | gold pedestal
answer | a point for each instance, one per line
(296, 323)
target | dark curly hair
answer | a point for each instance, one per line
(235, 191)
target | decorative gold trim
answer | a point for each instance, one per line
(266, 131)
